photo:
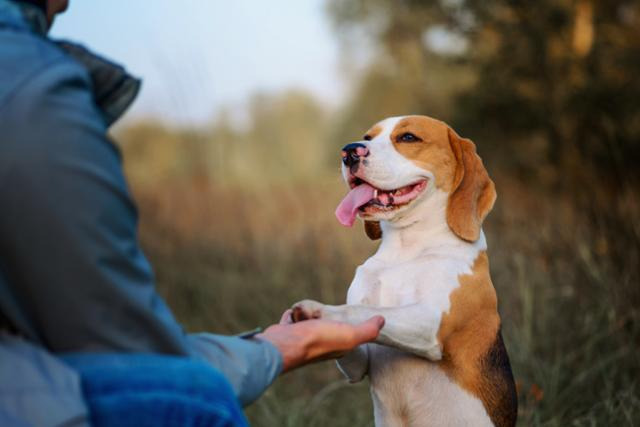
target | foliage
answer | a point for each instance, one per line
(283, 136)
(564, 72)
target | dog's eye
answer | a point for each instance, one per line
(408, 137)
(367, 137)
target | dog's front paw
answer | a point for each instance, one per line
(306, 309)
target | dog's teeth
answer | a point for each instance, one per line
(375, 194)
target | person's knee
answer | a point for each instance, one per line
(150, 387)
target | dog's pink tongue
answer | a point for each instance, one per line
(348, 207)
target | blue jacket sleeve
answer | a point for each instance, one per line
(72, 274)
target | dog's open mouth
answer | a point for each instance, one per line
(366, 198)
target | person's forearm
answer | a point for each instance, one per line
(250, 365)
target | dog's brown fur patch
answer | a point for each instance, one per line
(433, 153)
(473, 193)
(373, 132)
(372, 229)
(473, 352)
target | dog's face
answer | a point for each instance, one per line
(401, 162)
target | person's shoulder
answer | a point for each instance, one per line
(27, 57)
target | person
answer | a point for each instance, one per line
(84, 336)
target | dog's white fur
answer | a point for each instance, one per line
(409, 281)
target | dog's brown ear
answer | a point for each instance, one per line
(473, 193)
(373, 230)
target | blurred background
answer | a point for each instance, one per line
(232, 152)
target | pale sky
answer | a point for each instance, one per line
(196, 56)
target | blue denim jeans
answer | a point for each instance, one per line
(155, 390)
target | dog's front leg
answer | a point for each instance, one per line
(355, 364)
(412, 328)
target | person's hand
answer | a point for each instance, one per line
(317, 339)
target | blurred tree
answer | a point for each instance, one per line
(286, 134)
(404, 75)
(283, 137)
(563, 72)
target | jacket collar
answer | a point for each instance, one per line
(23, 15)
(113, 88)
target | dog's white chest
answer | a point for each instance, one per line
(411, 390)
(429, 278)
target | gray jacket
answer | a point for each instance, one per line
(72, 275)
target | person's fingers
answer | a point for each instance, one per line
(369, 329)
(286, 318)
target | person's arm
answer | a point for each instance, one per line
(76, 277)
(281, 348)
(72, 274)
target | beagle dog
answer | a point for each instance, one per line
(440, 359)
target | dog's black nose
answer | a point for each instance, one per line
(351, 153)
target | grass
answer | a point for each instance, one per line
(232, 255)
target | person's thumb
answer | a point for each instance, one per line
(369, 329)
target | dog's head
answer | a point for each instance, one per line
(402, 162)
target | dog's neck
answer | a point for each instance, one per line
(420, 230)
